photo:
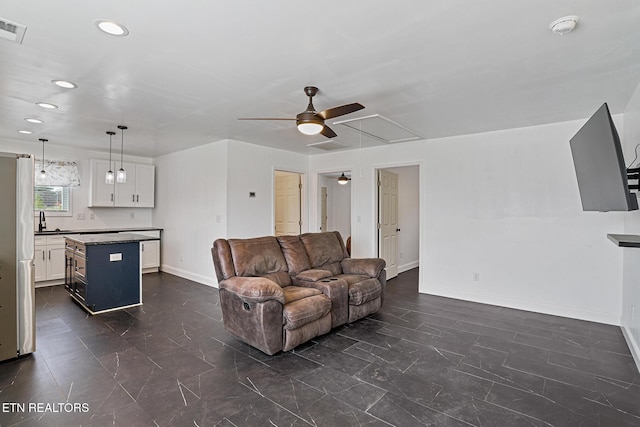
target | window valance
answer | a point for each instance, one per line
(59, 173)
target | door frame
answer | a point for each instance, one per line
(316, 202)
(422, 203)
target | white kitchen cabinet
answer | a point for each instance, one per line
(150, 250)
(39, 260)
(101, 193)
(49, 258)
(137, 192)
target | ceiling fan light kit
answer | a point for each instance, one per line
(310, 121)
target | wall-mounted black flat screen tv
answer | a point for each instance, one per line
(599, 163)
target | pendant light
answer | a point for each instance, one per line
(121, 177)
(343, 179)
(43, 173)
(109, 176)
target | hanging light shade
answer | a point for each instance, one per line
(121, 177)
(343, 180)
(109, 177)
(43, 173)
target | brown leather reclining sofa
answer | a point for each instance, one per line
(277, 293)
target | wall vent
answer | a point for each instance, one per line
(12, 31)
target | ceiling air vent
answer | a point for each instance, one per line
(12, 31)
(379, 128)
(329, 145)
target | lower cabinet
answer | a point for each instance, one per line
(150, 255)
(104, 277)
(49, 258)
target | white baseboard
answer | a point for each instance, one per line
(633, 345)
(521, 304)
(190, 276)
(408, 266)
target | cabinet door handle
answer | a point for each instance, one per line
(49, 253)
(137, 198)
(143, 247)
(112, 197)
(43, 255)
(133, 197)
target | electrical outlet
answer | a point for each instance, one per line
(359, 219)
(133, 215)
(401, 255)
(476, 277)
(181, 259)
(80, 216)
(92, 216)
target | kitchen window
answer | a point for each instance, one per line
(54, 200)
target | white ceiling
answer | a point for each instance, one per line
(189, 69)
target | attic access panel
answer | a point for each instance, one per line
(380, 128)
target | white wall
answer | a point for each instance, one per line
(504, 205)
(103, 217)
(251, 168)
(630, 319)
(191, 207)
(202, 194)
(408, 216)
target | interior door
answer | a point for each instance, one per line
(388, 221)
(323, 209)
(288, 189)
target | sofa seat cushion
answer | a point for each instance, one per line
(314, 275)
(298, 313)
(352, 278)
(294, 293)
(364, 291)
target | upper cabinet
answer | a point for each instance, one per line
(137, 192)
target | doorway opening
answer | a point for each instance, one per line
(398, 218)
(334, 203)
(287, 203)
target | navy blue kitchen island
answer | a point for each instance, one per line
(103, 270)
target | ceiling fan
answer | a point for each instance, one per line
(310, 121)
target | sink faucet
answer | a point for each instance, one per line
(43, 222)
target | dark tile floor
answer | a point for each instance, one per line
(422, 360)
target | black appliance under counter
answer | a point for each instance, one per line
(103, 270)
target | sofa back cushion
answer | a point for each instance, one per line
(324, 248)
(295, 254)
(259, 256)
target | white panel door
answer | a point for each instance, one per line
(388, 221)
(287, 204)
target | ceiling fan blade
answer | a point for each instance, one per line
(263, 118)
(328, 132)
(340, 111)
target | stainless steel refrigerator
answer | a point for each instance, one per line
(17, 286)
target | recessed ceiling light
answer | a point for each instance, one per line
(46, 105)
(64, 84)
(111, 27)
(32, 120)
(564, 25)
(26, 132)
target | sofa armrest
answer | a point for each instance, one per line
(366, 266)
(314, 275)
(253, 289)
